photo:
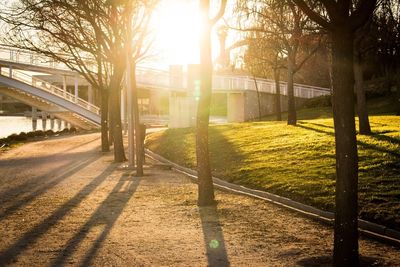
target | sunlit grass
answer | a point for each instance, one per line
(298, 161)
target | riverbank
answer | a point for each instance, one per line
(65, 202)
(15, 140)
(17, 124)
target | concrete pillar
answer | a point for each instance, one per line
(34, 118)
(180, 110)
(176, 77)
(11, 71)
(44, 120)
(52, 121)
(59, 124)
(182, 103)
(236, 107)
(76, 88)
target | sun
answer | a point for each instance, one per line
(176, 25)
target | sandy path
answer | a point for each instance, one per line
(64, 203)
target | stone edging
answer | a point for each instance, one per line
(370, 229)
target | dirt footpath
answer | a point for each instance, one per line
(62, 202)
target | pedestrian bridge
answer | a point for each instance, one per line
(19, 79)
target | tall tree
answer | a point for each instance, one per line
(205, 187)
(343, 18)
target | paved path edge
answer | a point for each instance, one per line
(376, 231)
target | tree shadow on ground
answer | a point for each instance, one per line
(223, 153)
(47, 181)
(105, 215)
(8, 255)
(213, 237)
(360, 143)
(327, 261)
(379, 135)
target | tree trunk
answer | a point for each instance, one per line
(138, 132)
(397, 97)
(206, 187)
(292, 118)
(115, 117)
(363, 120)
(105, 146)
(277, 95)
(345, 229)
(258, 98)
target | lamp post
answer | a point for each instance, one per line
(131, 122)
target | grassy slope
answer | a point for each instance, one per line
(299, 162)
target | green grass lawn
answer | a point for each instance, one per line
(298, 161)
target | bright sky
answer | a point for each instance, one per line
(177, 30)
(177, 26)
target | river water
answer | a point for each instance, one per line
(17, 124)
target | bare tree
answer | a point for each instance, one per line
(137, 49)
(206, 188)
(88, 37)
(263, 56)
(293, 31)
(341, 19)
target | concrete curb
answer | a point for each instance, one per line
(369, 229)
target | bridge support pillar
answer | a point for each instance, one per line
(34, 118)
(182, 104)
(236, 107)
(243, 106)
(182, 110)
(52, 121)
(44, 120)
(59, 124)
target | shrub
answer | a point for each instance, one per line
(13, 137)
(39, 133)
(49, 132)
(31, 134)
(317, 102)
(22, 136)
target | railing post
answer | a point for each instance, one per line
(64, 86)
(11, 71)
(76, 92)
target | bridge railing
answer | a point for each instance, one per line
(31, 58)
(161, 79)
(48, 87)
(244, 83)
